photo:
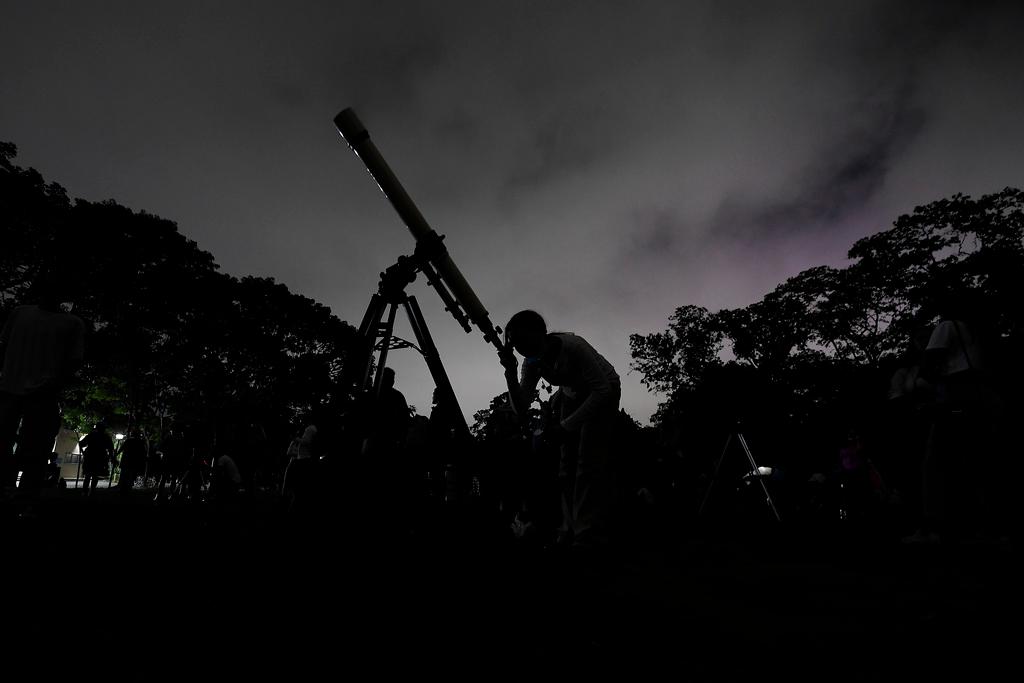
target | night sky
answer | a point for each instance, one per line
(602, 163)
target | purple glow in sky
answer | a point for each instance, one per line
(600, 162)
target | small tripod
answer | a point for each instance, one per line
(755, 472)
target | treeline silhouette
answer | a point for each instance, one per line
(813, 358)
(169, 336)
(804, 372)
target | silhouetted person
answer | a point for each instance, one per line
(257, 466)
(232, 439)
(441, 444)
(196, 470)
(174, 457)
(384, 449)
(153, 464)
(41, 347)
(97, 456)
(419, 455)
(958, 458)
(298, 480)
(389, 420)
(861, 486)
(291, 454)
(510, 460)
(533, 488)
(133, 460)
(907, 423)
(590, 393)
(225, 480)
(451, 463)
(282, 459)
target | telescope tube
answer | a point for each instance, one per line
(358, 138)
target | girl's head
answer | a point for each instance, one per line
(526, 331)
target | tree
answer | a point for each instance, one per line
(678, 357)
(169, 335)
(956, 244)
(830, 333)
(32, 214)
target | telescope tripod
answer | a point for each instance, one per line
(377, 333)
(432, 259)
(755, 473)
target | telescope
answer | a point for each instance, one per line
(432, 257)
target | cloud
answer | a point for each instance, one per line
(842, 179)
(569, 140)
(603, 161)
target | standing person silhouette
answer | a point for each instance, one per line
(907, 422)
(385, 450)
(389, 422)
(299, 473)
(41, 347)
(174, 457)
(133, 460)
(97, 456)
(590, 391)
(961, 465)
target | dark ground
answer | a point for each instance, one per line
(246, 590)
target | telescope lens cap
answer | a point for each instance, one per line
(350, 127)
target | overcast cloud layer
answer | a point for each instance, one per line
(600, 162)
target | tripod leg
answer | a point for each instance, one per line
(434, 364)
(389, 329)
(757, 474)
(461, 458)
(714, 477)
(368, 330)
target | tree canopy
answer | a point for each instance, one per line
(826, 338)
(169, 336)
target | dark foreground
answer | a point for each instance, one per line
(139, 589)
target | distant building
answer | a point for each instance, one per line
(66, 453)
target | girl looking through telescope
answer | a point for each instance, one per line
(590, 392)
